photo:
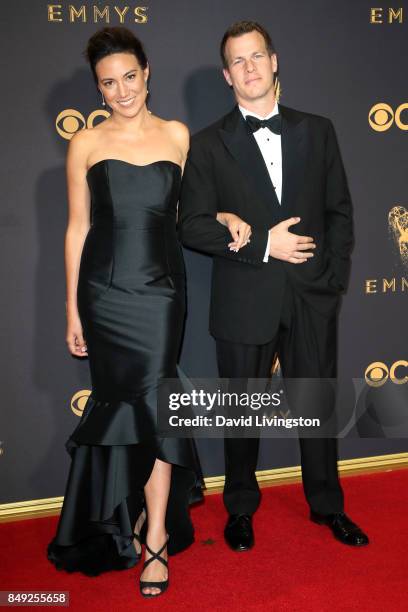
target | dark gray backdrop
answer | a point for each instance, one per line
(333, 62)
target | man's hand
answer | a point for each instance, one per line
(239, 230)
(287, 246)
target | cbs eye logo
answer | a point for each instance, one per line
(378, 373)
(79, 400)
(381, 117)
(70, 121)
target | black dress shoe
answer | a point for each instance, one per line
(342, 527)
(238, 532)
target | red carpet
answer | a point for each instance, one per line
(296, 565)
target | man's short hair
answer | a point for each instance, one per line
(244, 27)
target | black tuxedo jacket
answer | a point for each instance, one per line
(225, 172)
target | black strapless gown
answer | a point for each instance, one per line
(131, 301)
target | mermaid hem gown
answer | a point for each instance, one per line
(131, 301)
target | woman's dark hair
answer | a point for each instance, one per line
(245, 27)
(113, 40)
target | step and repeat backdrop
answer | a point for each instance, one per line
(344, 60)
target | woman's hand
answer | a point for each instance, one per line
(75, 337)
(239, 229)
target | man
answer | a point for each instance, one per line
(272, 178)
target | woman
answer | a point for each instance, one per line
(125, 311)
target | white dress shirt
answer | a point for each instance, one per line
(271, 150)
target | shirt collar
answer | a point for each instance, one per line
(246, 112)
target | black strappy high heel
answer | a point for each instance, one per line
(138, 538)
(138, 555)
(155, 585)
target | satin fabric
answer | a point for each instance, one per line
(131, 301)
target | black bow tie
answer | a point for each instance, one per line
(273, 123)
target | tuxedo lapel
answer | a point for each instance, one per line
(294, 151)
(244, 148)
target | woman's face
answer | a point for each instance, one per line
(123, 83)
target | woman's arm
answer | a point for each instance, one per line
(239, 229)
(77, 229)
(181, 137)
(199, 226)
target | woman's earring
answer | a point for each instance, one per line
(103, 100)
(147, 91)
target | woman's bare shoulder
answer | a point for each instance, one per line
(83, 138)
(178, 133)
(178, 129)
(83, 143)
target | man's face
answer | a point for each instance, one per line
(250, 68)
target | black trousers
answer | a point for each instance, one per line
(306, 344)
